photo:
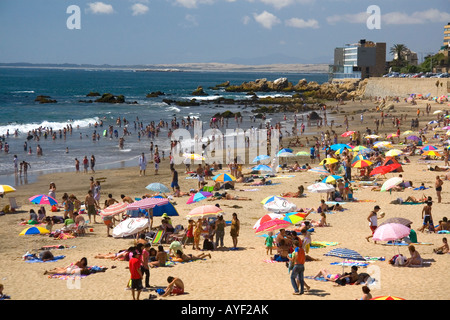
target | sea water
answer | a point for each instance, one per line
(20, 113)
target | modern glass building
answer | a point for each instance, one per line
(359, 61)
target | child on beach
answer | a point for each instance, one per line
(269, 243)
(442, 249)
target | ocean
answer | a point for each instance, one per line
(20, 113)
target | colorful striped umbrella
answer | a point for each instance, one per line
(34, 230)
(359, 148)
(428, 148)
(204, 212)
(273, 225)
(289, 150)
(271, 198)
(345, 253)
(338, 146)
(387, 298)
(361, 164)
(295, 217)
(267, 217)
(331, 178)
(199, 196)
(432, 153)
(114, 209)
(222, 177)
(43, 199)
(348, 133)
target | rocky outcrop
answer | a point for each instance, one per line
(155, 94)
(93, 94)
(44, 99)
(110, 98)
(199, 92)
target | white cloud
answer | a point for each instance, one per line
(139, 8)
(418, 17)
(246, 20)
(300, 23)
(266, 19)
(100, 8)
(278, 4)
(190, 4)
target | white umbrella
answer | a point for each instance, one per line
(130, 227)
(280, 205)
(321, 187)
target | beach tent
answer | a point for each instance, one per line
(168, 208)
(391, 160)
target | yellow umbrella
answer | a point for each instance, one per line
(328, 161)
(407, 132)
(4, 188)
(362, 164)
(394, 153)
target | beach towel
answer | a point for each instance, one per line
(270, 261)
(322, 244)
(443, 231)
(34, 260)
(350, 263)
(374, 258)
(411, 203)
(93, 269)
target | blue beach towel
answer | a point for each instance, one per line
(39, 260)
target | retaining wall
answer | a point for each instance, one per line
(401, 87)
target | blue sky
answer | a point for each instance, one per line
(124, 32)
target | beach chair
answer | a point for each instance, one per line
(208, 189)
(12, 204)
(157, 237)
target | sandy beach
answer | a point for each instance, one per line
(242, 274)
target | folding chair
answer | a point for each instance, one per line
(12, 204)
(158, 237)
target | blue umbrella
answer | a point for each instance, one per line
(157, 187)
(345, 254)
(262, 167)
(338, 146)
(261, 157)
(199, 196)
(285, 150)
(169, 209)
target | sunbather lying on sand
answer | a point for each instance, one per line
(79, 267)
(227, 196)
(297, 194)
(181, 257)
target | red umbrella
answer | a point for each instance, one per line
(114, 209)
(273, 225)
(348, 133)
(385, 169)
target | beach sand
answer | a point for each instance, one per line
(234, 274)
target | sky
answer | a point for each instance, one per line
(135, 32)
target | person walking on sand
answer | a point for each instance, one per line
(134, 265)
(438, 185)
(142, 164)
(297, 274)
(234, 231)
(373, 220)
(427, 217)
(91, 205)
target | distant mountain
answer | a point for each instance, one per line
(277, 58)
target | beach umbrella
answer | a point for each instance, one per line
(387, 298)
(285, 154)
(295, 217)
(147, 203)
(223, 177)
(391, 183)
(414, 138)
(359, 157)
(267, 217)
(329, 161)
(372, 136)
(43, 199)
(280, 205)
(361, 164)
(199, 196)
(320, 170)
(205, 211)
(385, 169)
(407, 132)
(130, 227)
(398, 220)
(438, 111)
(34, 230)
(345, 254)
(302, 153)
(394, 153)
(114, 209)
(391, 232)
(157, 187)
(261, 158)
(348, 133)
(392, 135)
(262, 167)
(339, 146)
(289, 150)
(432, 154)
(331, 178)
(428, 148)
(4, 188)
(271, 198)
(321, 187)
(272, 225)
(193, 156)
(432, 122)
